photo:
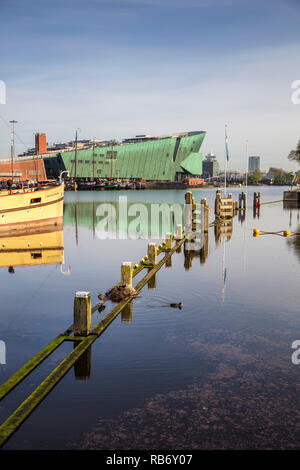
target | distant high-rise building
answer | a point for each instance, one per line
(210, 166)
(254, 164)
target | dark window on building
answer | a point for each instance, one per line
(111, 155)
(87, 161)
(176, 148)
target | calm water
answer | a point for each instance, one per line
(216, 374)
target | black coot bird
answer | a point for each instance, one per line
(179, 305)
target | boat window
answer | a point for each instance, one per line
(35, 201)
(36, 255)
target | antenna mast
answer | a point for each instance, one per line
(12, 153)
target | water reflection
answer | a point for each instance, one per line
(223, 229)
(167, 364)
(123, 219)
(152, 281)
(256, 212)
(194, 249)
(294, 242)
(33, 247)
(241, 215)
(83, 365)
(126, 314)
(291, 204)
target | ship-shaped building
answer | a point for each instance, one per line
(171, 158)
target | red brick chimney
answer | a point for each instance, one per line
(40, 143)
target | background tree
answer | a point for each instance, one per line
(280, 176)
(255, 177)
(289, 177)
(295, 154)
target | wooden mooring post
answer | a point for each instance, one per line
(242, 201)
(218, 202)
(191, 212)
(256, 200)
(169, 240)
(224, 207)
(126, 273)
(178, 233)
(256, 204)
(205, 208)
(82, 313)
(152, 253)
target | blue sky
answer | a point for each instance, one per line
(116, 68)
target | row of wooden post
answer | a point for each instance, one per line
(82, 301)
(195, 208)
(224, 208)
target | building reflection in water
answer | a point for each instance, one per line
(111, 219)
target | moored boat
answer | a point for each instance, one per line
(25, 207)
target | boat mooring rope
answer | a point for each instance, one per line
(281, 233)
(271, 202)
